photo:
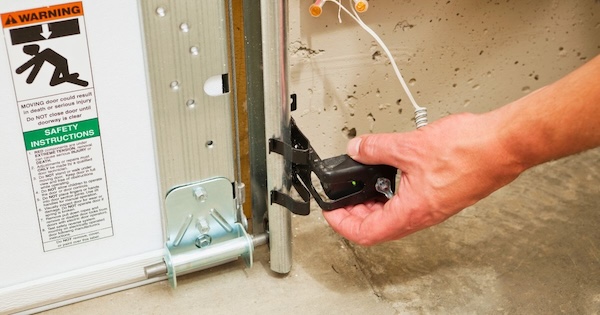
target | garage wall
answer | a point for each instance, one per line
(459, 56)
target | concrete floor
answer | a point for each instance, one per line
(531, 248)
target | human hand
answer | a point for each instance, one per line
(445, 167)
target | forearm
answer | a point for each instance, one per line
(460, 159)
(556, 121)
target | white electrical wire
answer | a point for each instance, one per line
(420, 112)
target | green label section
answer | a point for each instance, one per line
(56, 135)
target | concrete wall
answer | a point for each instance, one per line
(460, 56)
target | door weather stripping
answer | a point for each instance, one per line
(204, 229)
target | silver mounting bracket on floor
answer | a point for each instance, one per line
(204, 228)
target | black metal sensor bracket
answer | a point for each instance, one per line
(342, 180)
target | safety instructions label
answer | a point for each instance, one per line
(52, 75)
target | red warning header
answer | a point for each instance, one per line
(41, 15)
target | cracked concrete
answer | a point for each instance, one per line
(300, 50)
(532, 247)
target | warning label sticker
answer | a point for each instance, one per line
(52, 75)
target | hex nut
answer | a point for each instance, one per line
(203, 240)
(200, 194)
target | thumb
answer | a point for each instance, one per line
(375, 149)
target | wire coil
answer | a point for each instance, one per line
(421, 117)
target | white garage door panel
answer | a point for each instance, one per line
(116, 78)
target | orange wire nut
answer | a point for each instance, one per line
(361, 6)
(316, 8)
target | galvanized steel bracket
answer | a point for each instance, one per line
(203, 228)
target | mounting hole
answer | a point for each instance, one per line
(190, 103)
(161, 12)
(210, 144)
(184, 27)
(174, 85)
(194, 50)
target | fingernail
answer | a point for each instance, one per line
(353, 146)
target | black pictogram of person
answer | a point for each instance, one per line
(61, 72)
